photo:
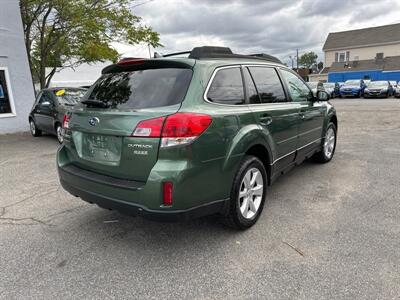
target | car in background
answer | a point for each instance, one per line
(393, 83)
(329, 87)
(378, 89)
(315, 86)
(49, 108)
(397, 90)
(353, 88)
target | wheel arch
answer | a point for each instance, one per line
(334, 120)
(262, 153)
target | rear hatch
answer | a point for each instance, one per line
(99, 136)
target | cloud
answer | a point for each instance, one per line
(277, 27)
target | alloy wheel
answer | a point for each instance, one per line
(60, 135)
(251, 193)
(329, 144)
(32, 127)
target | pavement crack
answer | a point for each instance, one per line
(20, 221)
(30, 197)
(66, 211)
(294, 248)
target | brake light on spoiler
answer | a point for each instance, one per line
(176, 129)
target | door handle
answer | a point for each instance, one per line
(265, 120)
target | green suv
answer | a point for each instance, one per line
(182, 137)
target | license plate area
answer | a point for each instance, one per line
(101, 148)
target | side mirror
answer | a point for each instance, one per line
(322, 96)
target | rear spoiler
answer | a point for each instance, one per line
(133, 64)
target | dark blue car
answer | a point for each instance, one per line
(353, 88)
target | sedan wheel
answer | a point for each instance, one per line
(60, 134)
(34, 130)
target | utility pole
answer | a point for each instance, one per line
(292, 60)
(149, 50)
(297, 59)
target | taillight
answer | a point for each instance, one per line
(167, 193)
(65, 123)
(131, 61)
(183, 128)
(149, 128)
(176, 129)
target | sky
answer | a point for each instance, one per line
(277, 27)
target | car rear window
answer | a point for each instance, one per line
(141, 88)
(69, 96)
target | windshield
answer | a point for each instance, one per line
(329, 85)
(141, 88)
(352, 82)
(69, 96)
(378, 84)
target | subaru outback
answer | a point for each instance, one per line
(174, 138)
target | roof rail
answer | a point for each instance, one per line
(266, 57)
(219, 52)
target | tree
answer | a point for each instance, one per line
(308, 59)
(320, 65)
(65, 34)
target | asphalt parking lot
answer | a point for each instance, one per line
(327, 231)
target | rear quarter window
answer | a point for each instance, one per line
(141, 88)
(227, 87)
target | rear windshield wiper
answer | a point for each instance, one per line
(95, 103)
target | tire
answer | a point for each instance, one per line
(34, 130)
(329, 146)
(243, 212)
(59, 133)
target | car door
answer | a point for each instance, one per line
(44, 112)
(311, 113)
(273, 111)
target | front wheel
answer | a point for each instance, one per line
(247, 194)
(329, 146)
(34, 130)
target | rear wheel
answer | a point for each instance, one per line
(247, 194)
(60, 133)
(34, 131)
(329, 146)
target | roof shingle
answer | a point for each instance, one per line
(360, 37)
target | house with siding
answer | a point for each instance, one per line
(368, 53)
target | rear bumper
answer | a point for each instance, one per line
(139, 210)
(141, 198)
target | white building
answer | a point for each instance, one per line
(16, 88)
(83, 75)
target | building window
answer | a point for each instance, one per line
(342, 56)
(7, 108)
